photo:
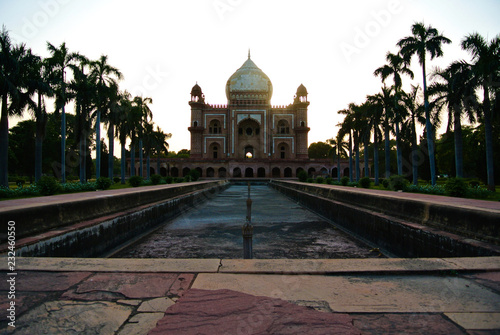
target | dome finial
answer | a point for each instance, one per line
(248, 53)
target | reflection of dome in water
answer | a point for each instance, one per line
(249, 82)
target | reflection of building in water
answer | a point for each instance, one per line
(248, 137)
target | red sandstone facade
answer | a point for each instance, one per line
(248, 137)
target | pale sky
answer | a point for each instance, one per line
(164, 47)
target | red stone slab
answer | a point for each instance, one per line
(39, 281)
(488, 279)
(130, 285)
(415, 323)
(24, 301)
(231, 312)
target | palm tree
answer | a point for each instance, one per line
(455, 90)
(124, 129)
(385, 100)
(143, 116)
(340, 148)
(375, 112)
(415, 111)
(14, 65)
(105, 77)
(346, 129)
(84, 92)
(112, 118)
(486, 69)
(396, 66)
(160, 145)
(37, 85)
(59, 61)
(423, 40)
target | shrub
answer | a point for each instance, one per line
(385, 183)
(365, 182)
(455, 187)
(103, 183)
(329, 181)
(474, 183)
(48, 185)
(478, 193)
(302, 175)
(397, 183)
(116, 179)
(187, 179)
(310, 180)
(20, 182)
(169, 179)
(178, 180)
(352, 184)
(344, 181)
(135, 181)
(78, 187)
(320, 180)
(194, 174)
(72, 177)
(155, 179)
(426, 189)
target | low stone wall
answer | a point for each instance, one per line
(407, 228)
(31, 220)
(121, 217)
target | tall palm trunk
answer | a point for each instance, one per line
(4, 144)
(140, 158)
(398, 150)
(83, 158)
(338, 162)
(387, 153)
(63, 144)
(40, 131)
(375, 156)
(111, 158)
(429, 130)
(98, 145)
(367, 168)
(459, 150)
(488, 131)
(414, 152)
(350, 158)
(123, 163)
(356, 150)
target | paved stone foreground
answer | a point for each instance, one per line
(376, 296)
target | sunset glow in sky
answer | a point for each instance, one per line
(164, 47)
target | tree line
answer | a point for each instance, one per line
(463, 90)
(27, 81)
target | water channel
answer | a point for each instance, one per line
(282, 229)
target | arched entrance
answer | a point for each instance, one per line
(248, 172)
(237, 173)
(261, 172)
(276, 173)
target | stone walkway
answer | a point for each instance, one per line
(213, 296)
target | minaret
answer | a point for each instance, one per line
(197, 103)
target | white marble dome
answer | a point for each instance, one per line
(249, 82)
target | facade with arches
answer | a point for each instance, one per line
(248, 137)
